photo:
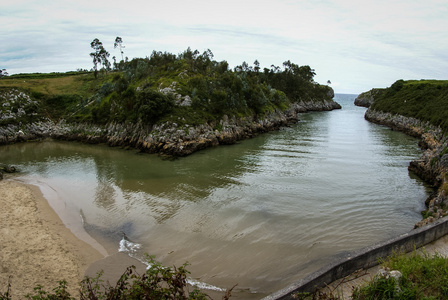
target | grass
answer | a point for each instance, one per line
(48, 86)
(59, 95)
(423, 277)
(83, 84)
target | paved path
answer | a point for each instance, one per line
(343, 287)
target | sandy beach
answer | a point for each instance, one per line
(36, 248)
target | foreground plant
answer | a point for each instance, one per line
(402, 277)
(422, 277)
(158, 282)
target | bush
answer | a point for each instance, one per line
(158, 282)
(153, 105)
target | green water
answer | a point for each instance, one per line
(262, 213)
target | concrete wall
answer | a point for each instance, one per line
(365, 258)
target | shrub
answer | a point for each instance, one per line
(158, 282)
(153, 105)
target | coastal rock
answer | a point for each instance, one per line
(366, 99)
(433, 163)
(7, 168)
(15, 104)
(330, 93)
(167, 138)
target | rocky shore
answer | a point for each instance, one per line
(366, 99)
(432, 165)
(168, 138)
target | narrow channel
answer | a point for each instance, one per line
(262, 213)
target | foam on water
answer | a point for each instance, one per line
(129, 247)
(133, 250)
(203, 285)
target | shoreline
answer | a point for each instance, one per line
(432, 166)
(167, 139)
(37, 248)
(43, 204)
(71, 220)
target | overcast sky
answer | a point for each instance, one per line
(356, 44)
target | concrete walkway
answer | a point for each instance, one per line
(343, 287)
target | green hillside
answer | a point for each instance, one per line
(426, 100)
(187, 88)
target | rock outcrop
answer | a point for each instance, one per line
(432, 165)
(168, 138)
(16, 104)
(6, 169)
(366, 99)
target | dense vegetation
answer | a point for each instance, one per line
(426, 100)
(187, 88)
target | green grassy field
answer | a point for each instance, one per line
(53, 84)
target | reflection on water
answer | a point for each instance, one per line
(262, 213)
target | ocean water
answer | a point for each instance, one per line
(262, 213)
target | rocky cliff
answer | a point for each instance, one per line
(366, 99)
(167, 138)
(432, 165)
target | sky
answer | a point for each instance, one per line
(356, 45)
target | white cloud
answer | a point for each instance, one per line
(357, 45)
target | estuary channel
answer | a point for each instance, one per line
(262, 213)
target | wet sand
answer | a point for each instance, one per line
(35, 246)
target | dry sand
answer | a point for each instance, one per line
(35, 246)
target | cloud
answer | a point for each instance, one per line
(357, 45)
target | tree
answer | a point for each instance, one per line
(3, 73)
(96, 45)
(256, 66)
(115, 62)
(99, 56)
(119, 44)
